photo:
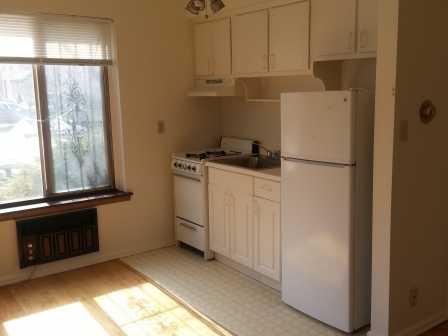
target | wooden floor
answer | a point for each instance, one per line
(105, 299)
(439, 331)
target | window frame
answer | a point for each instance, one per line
(43, 125)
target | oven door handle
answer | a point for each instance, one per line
(189, 227)
(187, 177)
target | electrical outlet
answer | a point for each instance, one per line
(404, 131)
(413, 297)
(160, 126)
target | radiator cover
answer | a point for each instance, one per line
(45, 239)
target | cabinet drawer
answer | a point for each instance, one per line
(190, 234)
(267, 189)
(231, 181)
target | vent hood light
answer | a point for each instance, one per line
(214, 88)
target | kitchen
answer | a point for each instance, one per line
(239, 155)
(245, 201)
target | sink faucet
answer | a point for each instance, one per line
(271, 154)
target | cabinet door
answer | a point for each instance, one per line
(221, 62)
(367, 25)
(250, 43)
(203, 59)
(333, 28)
(289, 37)
(266, 216)
(221, 212)
(241, 232)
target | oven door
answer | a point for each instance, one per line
(189, 198)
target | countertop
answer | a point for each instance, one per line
(273, 174)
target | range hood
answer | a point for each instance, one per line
(213, 88)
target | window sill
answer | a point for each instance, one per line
(47, 207)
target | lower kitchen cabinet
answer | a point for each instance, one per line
(241, 229)
(220, 213)
(244, 227)
(266, 219)
(230, 221)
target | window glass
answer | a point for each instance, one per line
(77, 127)
(20, 162)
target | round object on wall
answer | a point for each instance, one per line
(427, 111)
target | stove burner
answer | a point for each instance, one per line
(205, 155)
(216, 153)
(200, 156)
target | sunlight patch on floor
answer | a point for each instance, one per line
(70, 320)
(146, 310)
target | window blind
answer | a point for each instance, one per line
(46, 38)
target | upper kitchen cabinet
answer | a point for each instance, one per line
(212, 48)
(367, 26)
(289, 37)
(343, 29)
(250, 43)
(271, 41)
(333, 28)
(203, 50)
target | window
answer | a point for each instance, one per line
(54, 107)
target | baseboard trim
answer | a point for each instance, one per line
(68, 265)
(372, 333)
(425, 325)
(249, 272)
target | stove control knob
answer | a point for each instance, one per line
(194, 168)
(189, 167)
(175, 164)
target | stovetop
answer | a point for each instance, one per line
(204, 155)
(192, 162)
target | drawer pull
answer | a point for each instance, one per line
(189, 227)
(266, 187)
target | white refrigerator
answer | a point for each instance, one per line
(326, 205)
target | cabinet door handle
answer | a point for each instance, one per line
(272, 61)
(189, 227)
(363, 39)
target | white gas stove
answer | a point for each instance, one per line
(193, 162)
(190, 190)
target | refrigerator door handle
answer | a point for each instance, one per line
(330, 164)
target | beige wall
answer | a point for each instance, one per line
(258, 121)
(420, 180)
(155, 59)
(410, 230)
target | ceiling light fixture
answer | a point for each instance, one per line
(197, 6)
(216, 5)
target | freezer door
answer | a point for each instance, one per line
(317, 215)
(319, 126)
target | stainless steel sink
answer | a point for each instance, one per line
(256, 162)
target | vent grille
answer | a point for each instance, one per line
(46, 239)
